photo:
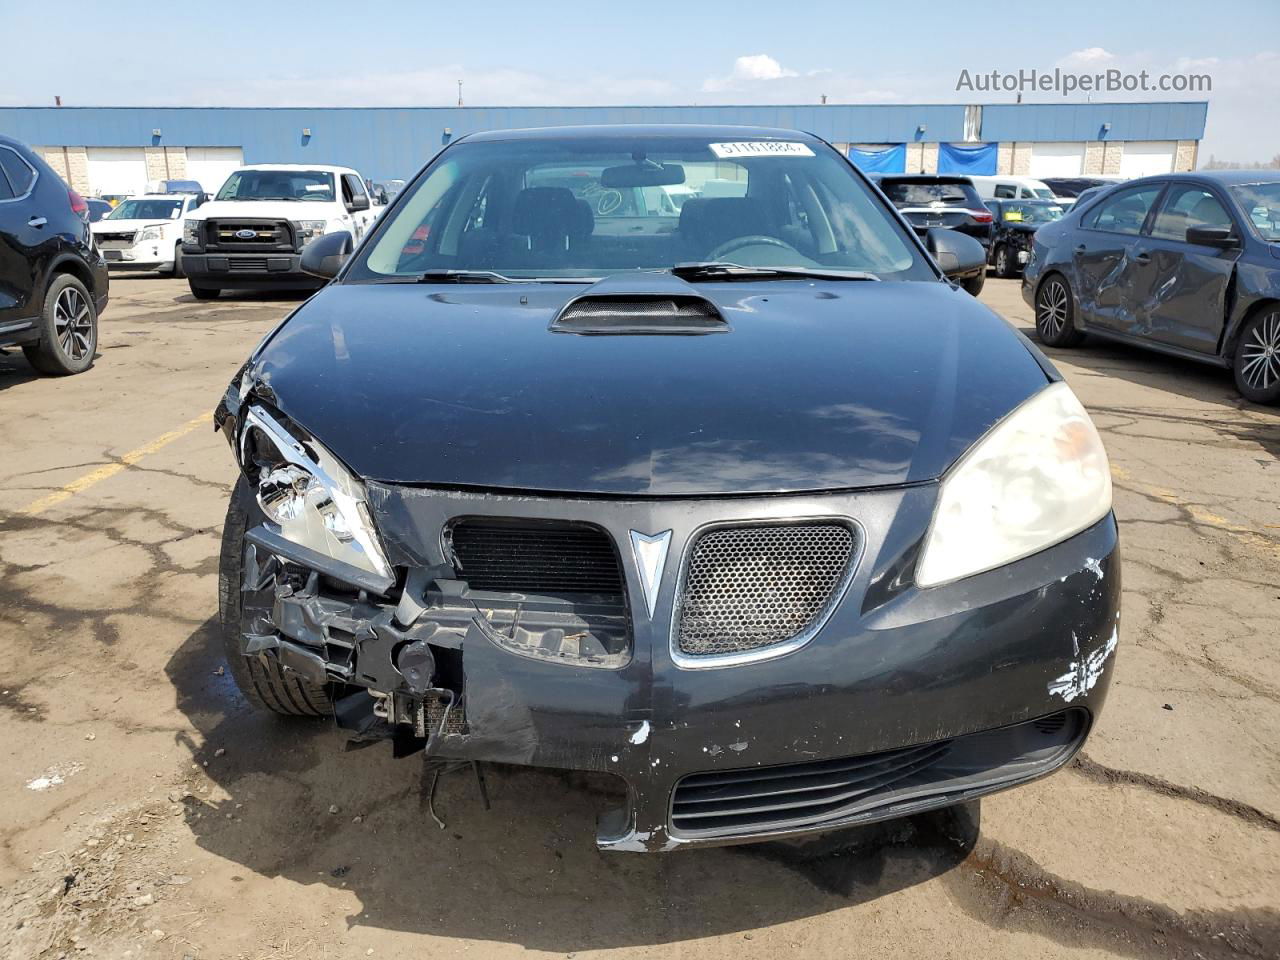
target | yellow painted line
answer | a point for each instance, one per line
(1198, 513)
(109, 470)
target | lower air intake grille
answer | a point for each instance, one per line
(535, 557)
(816, 794)
(765, 797)
(754, 586)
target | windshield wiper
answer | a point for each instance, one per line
(463, 276)
(718, 270)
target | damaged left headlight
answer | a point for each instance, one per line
(308, 495)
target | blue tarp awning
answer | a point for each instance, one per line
(978, 160)
(891, 158)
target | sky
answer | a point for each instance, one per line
(549, 52)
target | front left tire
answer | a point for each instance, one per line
(264, 683)
(68, 329)
(973, 286)
(1256, 365)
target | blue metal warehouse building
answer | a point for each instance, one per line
(117, 150)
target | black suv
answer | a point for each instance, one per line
(53, 280)
(931, 200)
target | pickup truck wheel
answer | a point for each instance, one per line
(1256, 364)
(973, 286)
(68, 329)
(264, 683)
(178, 272)
(203, 293)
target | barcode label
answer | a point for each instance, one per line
(761, 148)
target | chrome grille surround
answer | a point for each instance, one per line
(806, 564)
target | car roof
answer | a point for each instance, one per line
(613, 131)
(158, 196)
(323, 167)
(1219, 177)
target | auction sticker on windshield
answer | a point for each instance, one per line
(764, 148)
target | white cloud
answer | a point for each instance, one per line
(749, 70)
(1089, 55)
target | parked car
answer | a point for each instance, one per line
(251, 235)
(1069, 188)
(1005, 187)
(1016, 222)
(97, 208)
(1183, 263)
(145, 233)
(752, 510)
(53, 281)
(177, 186)
(929, 201)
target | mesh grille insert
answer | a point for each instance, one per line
(755, 586)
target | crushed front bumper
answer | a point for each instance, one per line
(935, 695)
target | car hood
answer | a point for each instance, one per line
(124, 226)
(265, 209)
(813, 386)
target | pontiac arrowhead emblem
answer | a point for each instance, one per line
(650, 552)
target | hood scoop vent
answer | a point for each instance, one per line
(639, 304)
(640, 315)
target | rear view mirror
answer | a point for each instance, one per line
(642, 175)
(325, 255)
(957, 254)
(1212, 236)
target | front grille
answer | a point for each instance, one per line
(115, 241)
(553, 557)
(765, 797)
(248, 265)
(268, 235)
(816, 794)
(751, 587)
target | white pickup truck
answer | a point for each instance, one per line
(251, 235)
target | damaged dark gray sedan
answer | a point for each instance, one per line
(671, 453)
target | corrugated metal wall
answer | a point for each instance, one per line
(384, 142)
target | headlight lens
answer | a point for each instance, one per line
(1038, 477)
(191, 232)
(308, 230)
(306, 492)
(148, 233)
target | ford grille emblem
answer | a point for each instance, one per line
(246, 234)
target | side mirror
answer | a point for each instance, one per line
(1213, 236)
(358, 203)
(325, 255)
(957, 254)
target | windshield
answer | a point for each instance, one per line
(594, 206)
(1031, 211)
(278, 185)
(1261, 204)
(146, 210)
(1044, 192)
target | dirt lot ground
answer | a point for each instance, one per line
(148, 813)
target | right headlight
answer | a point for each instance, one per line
(1038, 477)
(191, 232)
(309, 496)
(308, 230)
